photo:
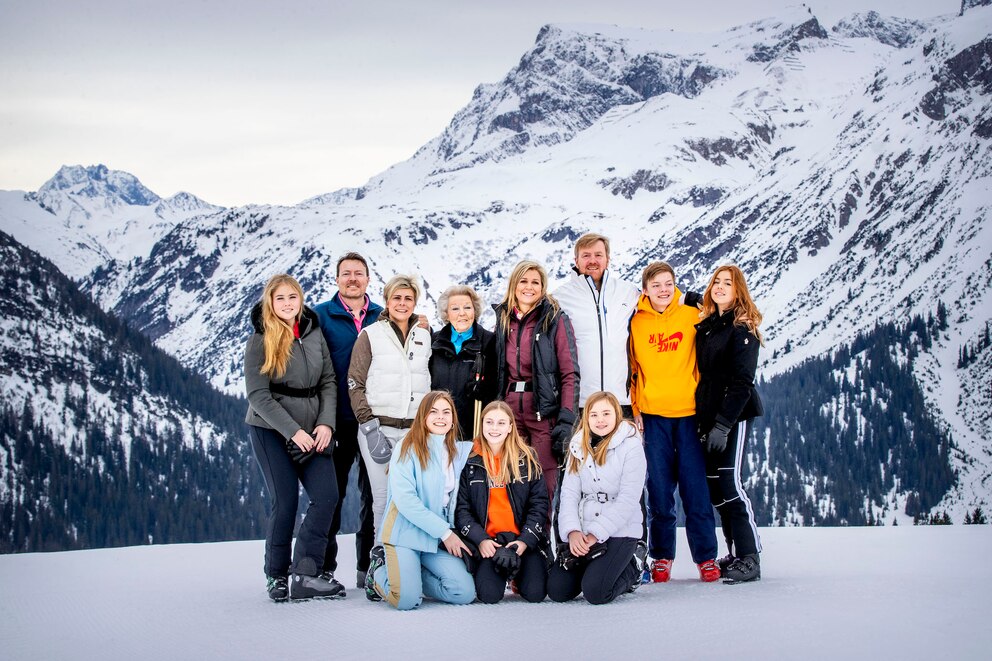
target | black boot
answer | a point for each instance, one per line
(377, 558)
(278, 588)
(314, 587)
(639, 562)
(743, 570)
(725, 562)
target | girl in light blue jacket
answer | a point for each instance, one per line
(599, 516)
(420, 553)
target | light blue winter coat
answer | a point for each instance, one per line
(605, 500)
(414, 515)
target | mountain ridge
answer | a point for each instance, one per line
(811, 160)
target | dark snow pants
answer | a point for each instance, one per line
(675, 460)
(601, 580)
(283, 477)
(723, 473)
(531, 579)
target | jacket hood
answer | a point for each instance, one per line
(644, 303)
(308, 320)
(624, 431)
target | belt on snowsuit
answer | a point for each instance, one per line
(288, 391)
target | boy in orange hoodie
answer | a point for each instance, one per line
(662, 352)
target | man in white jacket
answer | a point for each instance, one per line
(599, 306)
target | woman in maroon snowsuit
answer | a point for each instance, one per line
(538, 368)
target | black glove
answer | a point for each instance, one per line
(693, 299)
(716, 440)
(474, 390)
(596, 550)
(561, 435)
(507, 562)
(565, 559)
(329, 450)
(296, 454)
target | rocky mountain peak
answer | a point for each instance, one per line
(99, 181)
(889, 30)
(569, 79)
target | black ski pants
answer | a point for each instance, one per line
(531, 579)
(600, 580)
(283, 477)
(723, 474)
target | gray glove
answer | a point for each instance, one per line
(716, 440)
(379, 447)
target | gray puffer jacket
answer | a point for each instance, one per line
(309, 367)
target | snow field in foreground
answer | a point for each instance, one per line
(893, 592)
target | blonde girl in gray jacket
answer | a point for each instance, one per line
(289, 380)
(600, 518)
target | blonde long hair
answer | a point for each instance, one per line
(746, 313)
(599, 453)
(278, 335)
(510, 300)
(514, 448)
(416, 438)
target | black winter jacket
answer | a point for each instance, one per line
(727, 356)
(528, 500)
(456, 372)
(549, 400)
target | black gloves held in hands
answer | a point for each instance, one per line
(561, 435)
(507, 562)
(716, 439)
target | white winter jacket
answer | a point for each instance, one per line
(599, 319)
(605, 500)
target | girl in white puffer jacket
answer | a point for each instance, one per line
(600, 519)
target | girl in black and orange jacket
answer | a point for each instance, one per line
(502, 508)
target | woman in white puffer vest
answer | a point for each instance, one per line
(387, 378)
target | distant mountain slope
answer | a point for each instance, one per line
(105, 440)
(847, 170)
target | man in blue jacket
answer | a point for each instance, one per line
(341, 319)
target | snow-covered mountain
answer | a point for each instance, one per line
(104, 439)
(847, 170)
(87, 216)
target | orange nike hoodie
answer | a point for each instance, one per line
(662, 349)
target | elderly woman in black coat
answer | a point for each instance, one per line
(463, 356)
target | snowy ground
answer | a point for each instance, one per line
(826, 593)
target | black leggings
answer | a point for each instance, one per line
(531, 580)
(601, 580)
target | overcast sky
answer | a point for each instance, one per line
(242, 101)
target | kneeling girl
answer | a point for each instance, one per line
(502, 507)
(600, 515)
(420, 553)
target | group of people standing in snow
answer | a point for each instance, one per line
(484, 460)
